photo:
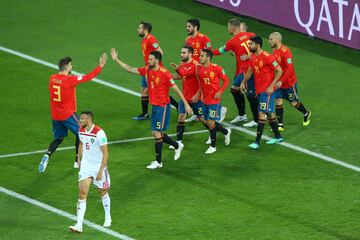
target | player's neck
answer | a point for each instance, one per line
(89, 127)
(146, 34)
(236, 32)
(278, 46)
(207, 64)
(189, 60)
(195, 34)
(259, 51)
(156, 67)
(64, 72)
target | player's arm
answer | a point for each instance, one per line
(101, 137)
(223, 49)
(287, 59)
(247, 76)
(178, 92)
(87, 77)
(225, 81)
(278, 73)
(125, 66)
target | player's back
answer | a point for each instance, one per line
(239, 44)
(62, 96)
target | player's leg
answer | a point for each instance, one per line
(239, 99)
(180, 128)
(294, 101)
(73, 124)
(272, 120)
(262, 103)
(279, 109)
(144, 100)
(253, 101)
(84, 185)
(59, 132)
(103, 185)
(214, 114)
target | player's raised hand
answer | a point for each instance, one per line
(103, 60)
(174, 65)
(114, 53)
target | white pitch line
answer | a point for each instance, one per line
(109, 143)
(63, 213)
(114, 86)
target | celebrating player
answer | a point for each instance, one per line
(266, 73)
(62, 88)
(238, 44)
(93, 158)
(160, 81)
(209, 76)
(287, 86)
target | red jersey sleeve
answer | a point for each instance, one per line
(223, 49)
(169, 79)
(272, 62)
(223, 77)
(287, 60)
(207, 42)
(153, 43)
(142, 71)
(75, 80)
(186, 71)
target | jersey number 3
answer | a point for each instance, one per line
(57, 94)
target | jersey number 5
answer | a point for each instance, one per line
(57, 93)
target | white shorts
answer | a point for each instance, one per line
(103, 183)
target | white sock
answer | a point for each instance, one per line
(106, 204)
(81, 209)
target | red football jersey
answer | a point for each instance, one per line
(159, 83)
(190, 84)
(263, 66)
(149, 44)
(62, 89)
(284, 57)
(200, 41)
(209, 79)
(239, 44)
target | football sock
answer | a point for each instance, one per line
(274, 126)
(81, 209)
(106, 204)
(239, 101)
(158, 149)
(299, 106)
(279, 113)
(220, 128)
(253, 106)
(213, 135)
(144, 104)
(260, 129)
(180, 130)
(168, 140)
(54, 145)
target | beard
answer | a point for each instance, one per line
(191, 32)
(151, 66)
(253, 50)
(185, 59)
(141, 35)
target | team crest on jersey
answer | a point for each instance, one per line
(279, 59)
(92, 140)
(212, 74)
(197, 45)
(157, 80)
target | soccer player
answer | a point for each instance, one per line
(160, 81)
(209, 76)
(93, 158)
(266, 73)
(199, 41)
(62, 88)
(287, 86)
(239, 45)
(186, 71)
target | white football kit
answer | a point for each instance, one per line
(92, 156)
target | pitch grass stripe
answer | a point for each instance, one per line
(112, 142)
(288, 145)
(63, 213)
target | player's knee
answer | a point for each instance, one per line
(181, 117)
(294, 103)
(278, 101)
(234, 88)
(102, 192)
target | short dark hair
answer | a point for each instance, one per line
(234, 22)
(90, 114)
(157, 55)
(147, 26)
(257, 40)
(194, 22)
(189, 48)
(63, 62)
(208, 52)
